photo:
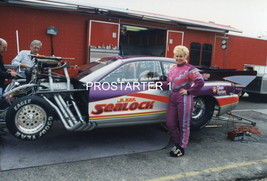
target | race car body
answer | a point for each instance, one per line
(116, 91)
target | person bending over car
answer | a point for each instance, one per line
(24, 59)
(4, 73)
(182, 76)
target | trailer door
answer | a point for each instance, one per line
(174, 38)
(103, 39)
(103, 34)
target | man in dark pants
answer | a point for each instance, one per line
(4, 74)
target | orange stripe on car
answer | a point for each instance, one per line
(127, 115)
(151, 96)
(227, 100)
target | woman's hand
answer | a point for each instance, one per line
(183, 91)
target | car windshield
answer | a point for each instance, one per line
(93, 66)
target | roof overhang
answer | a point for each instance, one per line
(85, 7)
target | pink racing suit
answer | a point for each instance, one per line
(180, 108)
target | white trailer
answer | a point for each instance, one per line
(258, 87)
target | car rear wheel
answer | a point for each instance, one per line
(202, 112)
(29, 118)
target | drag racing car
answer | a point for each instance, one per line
(116, 91)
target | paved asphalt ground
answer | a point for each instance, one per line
(210, 156)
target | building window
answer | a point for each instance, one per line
(206, 54)
(195, 53)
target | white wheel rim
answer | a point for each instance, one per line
(199, 108)
(30, 119)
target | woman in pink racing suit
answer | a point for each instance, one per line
(186, 81)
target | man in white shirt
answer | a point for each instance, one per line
(24, 59)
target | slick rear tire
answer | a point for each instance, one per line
(29, 118)
(202, 112)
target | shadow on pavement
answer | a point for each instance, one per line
(60, 146)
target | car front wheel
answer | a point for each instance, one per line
(29, 118)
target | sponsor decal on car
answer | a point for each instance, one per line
(128, 104)
(219, 90)
(134, 104)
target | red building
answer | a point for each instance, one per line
(88, 32)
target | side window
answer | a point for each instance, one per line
(125, 73)
(142, 71)
(195, 53)
(148, 71)
(166, 69)
(206, 54)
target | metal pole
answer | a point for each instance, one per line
(52, 46)
(17, 40)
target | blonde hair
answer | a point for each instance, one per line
(181, 50)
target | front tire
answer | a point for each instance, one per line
(29, 118)
(202, 112)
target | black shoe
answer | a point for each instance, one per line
(177, 151)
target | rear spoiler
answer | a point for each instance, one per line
(240, 78)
